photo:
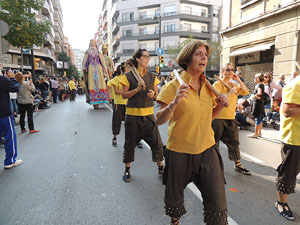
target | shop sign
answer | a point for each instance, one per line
(249, 57)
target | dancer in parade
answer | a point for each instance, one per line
(140, 87)
(224, 125)
(95, 72)
(290, 147)
(119, 105)
(191, 151)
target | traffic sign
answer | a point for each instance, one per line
(159, 51)
(3, 28)
(26, 51)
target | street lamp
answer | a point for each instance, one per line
(159, 36)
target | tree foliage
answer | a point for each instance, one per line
(24, 28)
(213, 60)
(72, 71)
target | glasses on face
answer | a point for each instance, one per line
(229, 70)
(146, 56)
(267, 77)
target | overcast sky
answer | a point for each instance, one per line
(80, 21)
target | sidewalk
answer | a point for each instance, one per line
(268, 133)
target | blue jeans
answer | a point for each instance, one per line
(45, 94)
(272, 115)
(258, 120)
(14, 106)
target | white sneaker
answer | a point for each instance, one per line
(17, 163)
(252, 136)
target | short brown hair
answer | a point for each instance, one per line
(19, 77)
(185, 56)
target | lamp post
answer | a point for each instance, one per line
(159, 37)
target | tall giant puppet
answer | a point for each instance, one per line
(95, 74)
(108, 60)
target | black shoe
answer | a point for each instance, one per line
(126, 176)
(286, 211)
(161, 170)
(242, 170)
(114, 142)
(139, 145)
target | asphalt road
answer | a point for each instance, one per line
(72, 175)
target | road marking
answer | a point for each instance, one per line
(250, 157)
(195, 190)
(191, 186)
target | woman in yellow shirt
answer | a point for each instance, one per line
(191, 151)
(119, 105)
(224, 125)
(140, 121)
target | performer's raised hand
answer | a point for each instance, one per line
(141, 85)
(151, 94)
(181, 93)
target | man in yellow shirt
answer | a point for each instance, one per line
(140, 122)
(72, 88)
(290, 147)
(224, 125)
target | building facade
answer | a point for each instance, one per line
(45, 53)
(78, 56)
(129, 25)
(261, 36)
(58, 27)
(69, 50)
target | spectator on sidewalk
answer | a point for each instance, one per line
(25, 100)
(290, 147)
(274, 113)
(43, 86)
(243, 111)
(13, 103)
(72, 88)
(7, 129)
(54, 87)
(269, 87)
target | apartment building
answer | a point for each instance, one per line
(129, 25)
(261, 36)
(58, 27)
(69, 50)
(45, 52)
(78, 56)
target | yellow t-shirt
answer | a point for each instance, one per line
(228, 113)
(72, 85)
(290, 127)
(118, 98)
(138, 111)
(189, 128)
(112, 90)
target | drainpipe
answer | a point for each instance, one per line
(296, 42)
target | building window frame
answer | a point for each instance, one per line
(143, 15)
(127, 32)
(169, 28)
(171, 10)
(245, 3)
(127, 17)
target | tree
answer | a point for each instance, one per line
(72, 71)
(213, 60)
(25, 30)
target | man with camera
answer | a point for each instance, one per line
(8, 84)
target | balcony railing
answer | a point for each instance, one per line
(182, 12)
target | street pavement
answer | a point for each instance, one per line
(72, 175)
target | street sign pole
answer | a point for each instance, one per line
(32, 66)
(159, 40)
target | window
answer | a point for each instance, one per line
(127, 33)
(143, 15)
(143, 31)
(169, 28)
(156, 45)
(127, 17)
(170, 10)
(143, 46)
(247, 2)
(203, 12)
(157, 12)
(156, 29)
(203, 29)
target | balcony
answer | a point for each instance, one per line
(116, 43)
(115, 28)
(46, 9)
(125, 52)
(182, 15)
(180, 32)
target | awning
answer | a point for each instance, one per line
(256, 48)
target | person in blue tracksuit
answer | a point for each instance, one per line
(7, 129)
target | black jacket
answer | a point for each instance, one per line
(6, 86)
